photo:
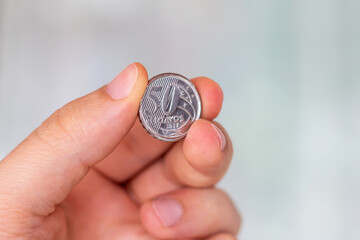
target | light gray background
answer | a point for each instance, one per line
(290, 71)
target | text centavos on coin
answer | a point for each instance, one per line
(169, 106)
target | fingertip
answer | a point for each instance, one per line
(141, 82)
(180, 214)
(152, 223)
(203, 148)
(141, 70)
(211, 96)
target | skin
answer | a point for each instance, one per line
(90, 171)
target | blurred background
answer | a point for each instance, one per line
(290, 71)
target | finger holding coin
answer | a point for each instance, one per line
(139, 148)
(199, 160)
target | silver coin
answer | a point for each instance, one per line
(169, 106)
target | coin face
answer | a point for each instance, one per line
(169, 106)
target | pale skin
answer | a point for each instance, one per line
(91, 171)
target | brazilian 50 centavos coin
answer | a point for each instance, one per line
(169, 106)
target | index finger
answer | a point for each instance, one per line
(138, 148)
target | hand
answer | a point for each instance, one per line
(90, 171)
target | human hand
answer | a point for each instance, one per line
(90, 171)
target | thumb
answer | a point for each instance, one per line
(42, 170)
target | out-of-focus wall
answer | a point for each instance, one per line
(290, 71)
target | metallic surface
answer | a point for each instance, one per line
(169, 106)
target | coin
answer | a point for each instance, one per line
(169, 106)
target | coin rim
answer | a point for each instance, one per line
(197, 116)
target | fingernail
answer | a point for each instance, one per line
(221, 137)
(123, 83)
(168, 210)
